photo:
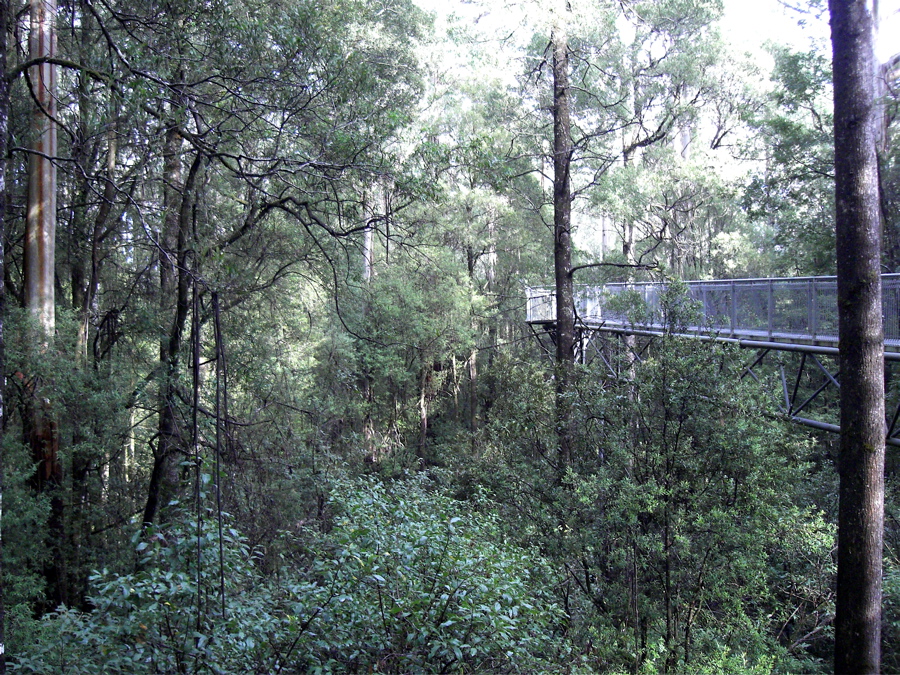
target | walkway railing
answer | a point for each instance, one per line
(800, 310)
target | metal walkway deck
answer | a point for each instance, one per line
(793, 314)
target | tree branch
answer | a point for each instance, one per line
(637, 266)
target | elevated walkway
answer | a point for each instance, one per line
(790, 314)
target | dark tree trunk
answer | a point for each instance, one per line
(4, 131)
(861, 511)
(175, 280)
(562, 244)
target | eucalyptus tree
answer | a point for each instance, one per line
(40, 233)
(685, 215)
(640, 74)
(4, 146)
(858, 221)
(261, 121)
(624, 77)
(488, 192)
(791, 196)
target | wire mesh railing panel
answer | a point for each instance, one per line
(589, 304)
(751, 310)
(791, 316)
(541, 305)
(825, 310)
(890, 298)
(802, 308)
(715, 301)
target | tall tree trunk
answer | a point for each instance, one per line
(39, 267)
(369, 254)
(562, 242)
(424, 386)
(472, 361)
(40, 230)
(365, 375)
(861, 510)
(40, 234)
(175, 280)
(4, 132)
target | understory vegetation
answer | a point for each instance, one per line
(690, 534)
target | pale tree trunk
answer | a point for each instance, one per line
(882, 73)
(424, 386)
(479, 410)
(40, 230)
(369, 254)
(39, 266)
(40, 234)
(861, 510)
(562, 241)
(628, 229)
(365, 376)
(388, 185)
(472, 360)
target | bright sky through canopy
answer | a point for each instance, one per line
(746, 25)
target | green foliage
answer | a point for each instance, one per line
(889, 167)
(686, 535)
(86, 398)
(680, 526)
(793, 195)
(676, 213)
(405, 580)
(427, 584)
(410, 323)
(681, 508)
(24, 553)
(166, 617)
(890, 620)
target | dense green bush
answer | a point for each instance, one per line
(681, 525)
(425, 585)
(406, 580)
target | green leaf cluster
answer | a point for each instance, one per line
(407, 579)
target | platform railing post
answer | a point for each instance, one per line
(813, 308)
(527, 304)
(705, 318)
(770, 309)
(733, 309)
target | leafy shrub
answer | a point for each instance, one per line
(406, 580)
(427, 585)
(168, 617)
(681, 522)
